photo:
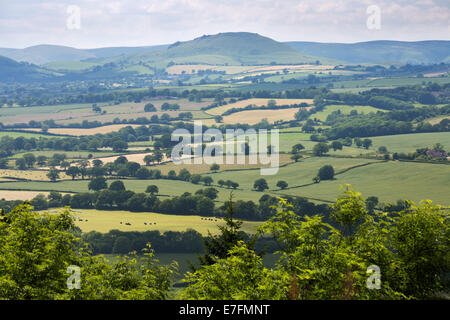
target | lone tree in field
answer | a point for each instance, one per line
(382, 150)
(296, 157)
(260, 185)
(367, 143)
(53, 175)
(297, 148)
(152, 189)
(320, 149)
(282, 184)
(326, 173)
(214, 167)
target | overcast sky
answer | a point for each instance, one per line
(149, 22)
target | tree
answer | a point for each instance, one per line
(119, 146)
(229, 236)
(121, 160)
(326, 173)
(297, 148)
(41, 160)
(196, 178)
(214, 167)
(210, 193)
(97, 163)
(371, 203)
(53, 175)
(282, 184)
(204, 206)
(133, 167)
(149, 107)
(336, 145)
(21, 164)
(97, 184)
(320, 149)
(49, 242)
(367, 143)
(148, 159)
(207, 180)
(73, 171)
(30, 159)
(117, 186)
(382, 150)
(152, 189)
(143, 173)
(296, 157)
(260, 184)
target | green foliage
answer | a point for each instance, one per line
(321, 261)
(36, 250)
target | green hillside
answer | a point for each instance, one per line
(224, 48)
(13, 71)
(379, 51)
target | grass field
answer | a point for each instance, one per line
(322, 115)
(104, 221)
(390, 181)
(26, 135)
(205, 168)
(410, 142)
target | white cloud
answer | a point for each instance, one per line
(144, 22)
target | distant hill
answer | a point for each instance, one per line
(44, 54)
(13, 71)
(419, 52)
(233, 48)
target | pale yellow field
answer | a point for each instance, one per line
(20, 195)
(437, 119)
(290, 67)
(255, 116)
(257, 102)
(104, 221)
(85, 132)
(135, 157)
(188, 68)
(205, 167)
(29, 174)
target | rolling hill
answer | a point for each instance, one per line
(419, 52)
(44, 54)
(233, 48)
(13, 71)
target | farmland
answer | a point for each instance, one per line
(256, 102)
(104, 221)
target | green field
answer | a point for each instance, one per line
(104, 221)
(322, 115)
(390, 181)
(410, 142)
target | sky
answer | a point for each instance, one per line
(103, 23)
